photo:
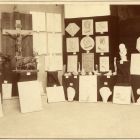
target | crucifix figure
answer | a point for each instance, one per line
(18, 35)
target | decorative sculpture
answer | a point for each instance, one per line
(123, 52)
(105, 92)
(70, 92)
(138, 44)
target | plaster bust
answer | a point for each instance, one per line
(123, 52)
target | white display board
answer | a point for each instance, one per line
(86, 9)
(122, 94)
(38, 21)
(53, 62)
(40, 42)
(30, 96)
(7, 91)
(88, 88)
(54, 43)
(55, 94)
(135, 64)
(54, 23)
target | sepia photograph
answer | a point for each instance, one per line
(67, 69)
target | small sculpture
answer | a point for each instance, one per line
(105, 92)
(70, 92)
(96, 71)
(138, 44)
(109, 73)
(123, 52)
(115, 66)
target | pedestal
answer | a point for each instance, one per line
(66, 82)
(123, 72)
(105, 81)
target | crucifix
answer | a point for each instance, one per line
(18, 35)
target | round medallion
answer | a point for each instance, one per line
(87, 43)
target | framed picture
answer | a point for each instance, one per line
(102, 44)
(72, 62)
(87, 27)
(72, 44)
(104, 63)
(72, 29)
(122, 94)
(101, 26)
(88, 62)
(87, 43)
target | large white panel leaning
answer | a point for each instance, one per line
(1, 111)
(122, 94)
(135, 64)
(55, 94)
(88, 88)
(7, 91)
(30, 96)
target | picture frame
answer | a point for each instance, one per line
(104, 63)
(87, 27)
(72, 44)
(102, 44)
(101, 27)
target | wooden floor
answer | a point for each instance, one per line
(71, 120)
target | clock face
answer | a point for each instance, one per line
(87, 43)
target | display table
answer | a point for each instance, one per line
(102, 81)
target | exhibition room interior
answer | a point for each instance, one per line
(70, 70)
